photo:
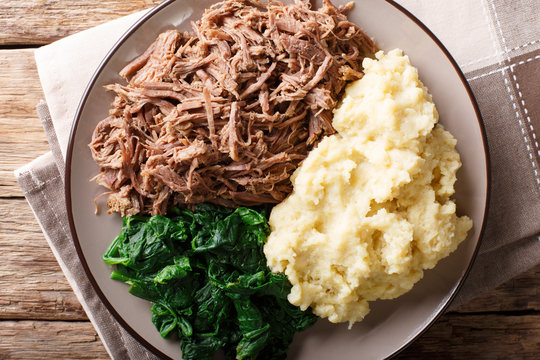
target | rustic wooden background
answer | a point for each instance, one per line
(40, 317)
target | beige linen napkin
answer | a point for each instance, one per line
(494, 42)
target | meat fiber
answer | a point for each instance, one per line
(225, 114)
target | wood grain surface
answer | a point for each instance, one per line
(40, 317)
(50, 340)
(38, 22)
(21, 135)
(455, 336)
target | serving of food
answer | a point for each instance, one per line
(271, 166)
(371, 205)
(224, 114)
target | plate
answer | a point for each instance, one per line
(392, 324)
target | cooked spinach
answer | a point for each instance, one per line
(206, 275)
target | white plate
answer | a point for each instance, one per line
(392, 324)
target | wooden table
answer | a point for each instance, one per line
(40, 317)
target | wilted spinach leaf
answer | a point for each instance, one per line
(206, 275)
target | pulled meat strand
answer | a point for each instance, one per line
(225, 114)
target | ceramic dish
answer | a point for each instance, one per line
(391, 325)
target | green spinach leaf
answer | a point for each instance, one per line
(206, 275)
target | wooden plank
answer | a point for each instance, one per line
(452, 337)
(41, 22)
(50, 340)
(15, 153)
(21, 136)
(32, 285)
(519, 294)
(20, 88)
(479, 337)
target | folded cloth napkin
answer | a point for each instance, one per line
(494, 41)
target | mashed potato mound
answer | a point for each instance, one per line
(371, 205)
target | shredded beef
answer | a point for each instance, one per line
(225, 114)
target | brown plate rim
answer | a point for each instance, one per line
(69, 158)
